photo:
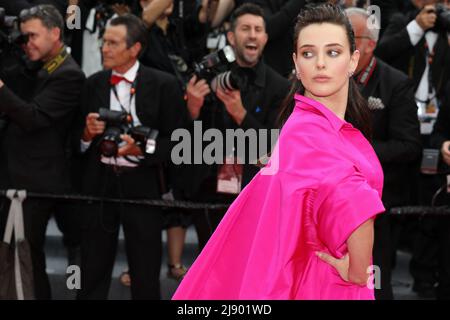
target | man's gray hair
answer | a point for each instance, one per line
(48, 14)
(374, 33)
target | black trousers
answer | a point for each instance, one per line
(68, 219)
(443, 290)
(206, 221)
(36, 214)
(424, 262)
(142, 227)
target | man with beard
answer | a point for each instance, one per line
(254, 105)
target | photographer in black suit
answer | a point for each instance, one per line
(254, 105)
(440, 139)
(416, 42)
(38, 106)
(396, 137)
(149, 98)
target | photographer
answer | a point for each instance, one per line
(175, 41)
(440, 139)
(396, 137)
(252, 106)
(118, 164)
(417, 44)
(38, 105)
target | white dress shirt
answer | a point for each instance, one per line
(123, 89)
(422, 94)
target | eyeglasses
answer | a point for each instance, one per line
(26, 14)
(111, 44)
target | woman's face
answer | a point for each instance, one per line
(323, 59)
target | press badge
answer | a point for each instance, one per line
(229, 176)
(430, 160)
(427, 112)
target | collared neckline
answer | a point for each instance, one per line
(336, 122)
(131, 74)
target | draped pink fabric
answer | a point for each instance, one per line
(322, 182)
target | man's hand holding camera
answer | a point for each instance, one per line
(94, 127)
(233, 104)
(130, 148)
(196, 91)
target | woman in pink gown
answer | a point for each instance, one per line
(303, 227)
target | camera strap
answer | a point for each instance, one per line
(132, 94)
(57, 61)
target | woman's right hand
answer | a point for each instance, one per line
(341, 265)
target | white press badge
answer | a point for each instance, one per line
(229, 176)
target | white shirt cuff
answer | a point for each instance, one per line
(84, 145)
(415, 32)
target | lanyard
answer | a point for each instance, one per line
(54, 64)
(364, 77)
(132, 94)
(429, 56)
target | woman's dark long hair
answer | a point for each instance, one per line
(357, 112)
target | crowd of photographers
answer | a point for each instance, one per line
(91, 110)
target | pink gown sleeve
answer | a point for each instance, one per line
(344, 206)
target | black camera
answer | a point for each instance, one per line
(10, 36)
(216, 69)
(118, 123)
(442, 18)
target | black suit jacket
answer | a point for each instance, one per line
(396, 132)
(261, 97)
(396, 49)
(158, 100)
(39, 109)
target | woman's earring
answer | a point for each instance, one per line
(350, 74)
(298, 76)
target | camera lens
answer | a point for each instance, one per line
(109, 148)
(226, 81)
(109, 145)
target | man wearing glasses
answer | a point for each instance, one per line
(38, 106)
(149, 98)
(396, 137)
